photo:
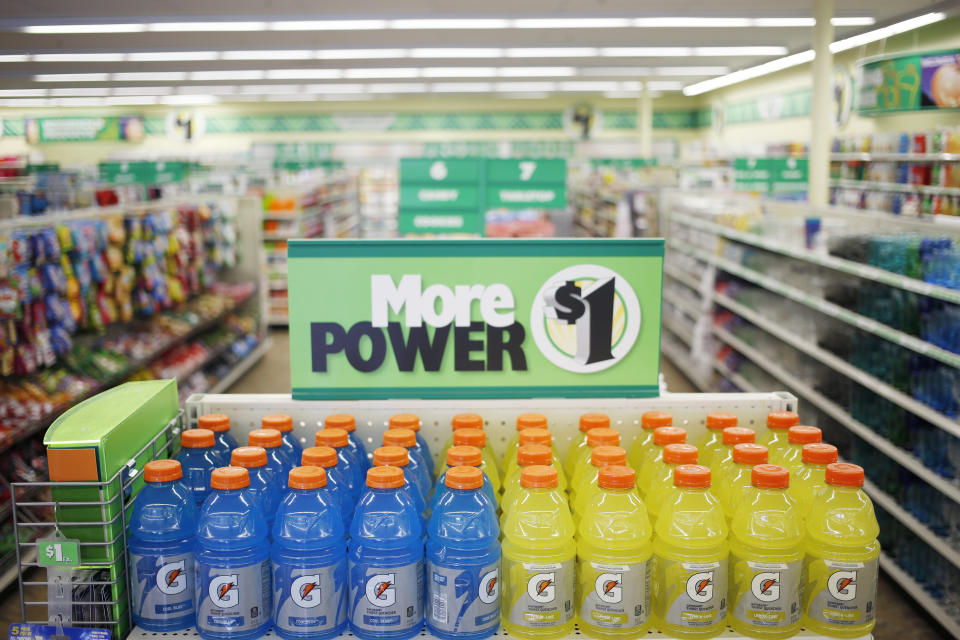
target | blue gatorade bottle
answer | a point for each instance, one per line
(326, 459)
(347, 422)
(464, 456)
(412, 422)
(290, 446)
(463, 559)
(266, 486)
(400, 457)
(234, 595)
(197, 460)
(386, 561)
(220, 425)
(407, 439)
(162, 526)
(349, 466)
(309, 560)
(272, 442)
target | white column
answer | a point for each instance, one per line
(645, 121)
(821, 111)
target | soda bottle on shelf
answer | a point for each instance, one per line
(613, 555)
(464, 421)
(527, 456)
(234, 593)
(644, 442)
(478, 438)
(220, 425)
(778, 422)
(662, 436)
(407, 439)
(712, 441)
(662, 484)
(386, 561)
(290, 446)
(309, 560)
(272, 442)
(400, 458)
(412, 422)
(524, 421)
(723, 459)
(792, 456)
(464, 456)
(811, 479)
(463, 558)
(163, 523)
(264, 485)
(575, 452)
(197, 460)
(326, 459)
(534, 435)
(600, 457)
(730, 488)
(347, 422)
(600, 437)
(349, 467)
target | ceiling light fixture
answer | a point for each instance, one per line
(71, 77)
(568, 23)
(85, 28)
(150, 76)
(189, 100)
(173, 56)
(476, 52)
(304, 74)
(361, 54)
(461, 87)
(23, 93)
(78, 57)
(886, 32)
(172, 27)
(328, 25)
(397, 87)
(81, 91)
(227, 75)
(450, 23)
(14, 58)
(278, 54)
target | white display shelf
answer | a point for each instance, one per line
(682, 302)
(684, 277)
(891, 156)
(742, 383)
(678, 330)
(681, 360)
(870, 185)
(920, 594)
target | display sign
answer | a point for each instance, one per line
(751, 174)
(83, 129)
(26, 631)
(143, 172)
(57, 552)
(771, 175)
(526, 183)
(474, 318)
(910, 82)
(623, 163)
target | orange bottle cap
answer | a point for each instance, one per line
(594, 421)
(844, 474)
(770, 476)
(279, 421)
(737, 435)
(400, 438)
(335, 438)
(229, 478)
(385, 477)
(343, 421)
(307, 478)
(466, 421)
(804, 435)
(528, 420)
(266, 438)
(782, 419)
(405, 421)
(663, 436)
(750, 453)
(463, 478)
(196, 439)
(680, 454)
(531, 454)
(603, 436)
(464, 456)
(616, 477)
(655, 419)
(721, 420)
(470, 437)
(215, 422)
(819, 453)
(248, 457)
(538, 477)
(535, 435)
(390, 456)
(604, 455)
(691, 475)
(162, 471)
(319, 457)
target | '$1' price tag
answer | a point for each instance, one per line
(57, 552)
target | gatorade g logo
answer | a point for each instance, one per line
(305, 591)
(585, 318)
(224, 591)
(766, 586)
(172, 578)
(700, 586)
(380, 590)
(489, 587)
(542, 587)
(609, 587)
(843, 585)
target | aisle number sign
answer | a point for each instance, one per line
(771, 175)
(474, 318)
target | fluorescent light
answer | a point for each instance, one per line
(397, 87)
(551, 52)
(476, 52)
(130, 100)
(304, 74)
(399, 72)
(28, 102)
(665, 85)
(142, 91)
(215, 89)
(527, 95)
(206, 26)
(289, 97)
(361, 54)
(461, 87)
(525, 87)
(571, 23)
(885, 32)
(85, 28)
(228, 75)
(687, 23)
(173, 56)
(150, 76)
(79, 102)
(539, 72)
(589, 86)
(23, 93)
(334, 88)
(459, 72)
(189, 100)
(14, 58)
(328, 25)
(852, 22)
(81, 91)
(72, 77)
(268, 88)
(279, 54)
(646, 52)
(762, 50)
(630, 72)
(450, 23)
(749, 73)
(691, 71)
(344, 97)
(78, 57)
(784, 22)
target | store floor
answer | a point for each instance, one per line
(898, 617)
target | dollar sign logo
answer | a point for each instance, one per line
(564, 302)
(591, 312)
(50, 551)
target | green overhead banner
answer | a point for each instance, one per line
(474, 318)
(909, 82)
(143, 172)
(771, 175)
(623, 163)
(751, 174)
(83, 129)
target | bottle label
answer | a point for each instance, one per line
(766, 594)
(615, 596)
(539, 595)
(463, 600)
(386, 598)
(234, 598)
(163, 585)
(841, 593)
(690, 594)
(309, 598)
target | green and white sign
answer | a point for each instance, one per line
(751, 174)
(58, 552)
(143, 172)
(474, 318)
(623, 163)
(83, 129)
(526, 183)
(915, 81)
(789, 175)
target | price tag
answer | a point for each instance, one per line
(58, 552)
(21, 630)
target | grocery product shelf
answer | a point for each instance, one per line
(683, 277)
(895, 157)
(734, 377)
(677, 330)
(916, 590)
(682, 302)
(896, 186)
(681, 361)
(243, 366)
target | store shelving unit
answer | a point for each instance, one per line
(378, 201)
(896, 186)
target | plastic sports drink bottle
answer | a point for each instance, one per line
(798, 436)
(601, 437)
(198, 459)
(811, 479)
(347, 422)
(712, 441)
(662, 483)
(337, 439)
(220, 425)
(309, 560)
(272, 442)
(326, 459)
(600, 457)
(766, 557)
(412, 422)
(463, 559)
(464, 456)
(662, 436)
(842, 557)
(234, 594)
(478, 438)
(527, 456)
(575, 453)
(539, 557)
(613, 553)
(776, 438)
(723, 460)
(290, 446)
(386, 561)
(524, 421)
(690, 559)
(533, 435)
(730, 488)
(648, 422)
(407, 439)
(162, 526)
(400, 457)
(263, 484)
(464, 421)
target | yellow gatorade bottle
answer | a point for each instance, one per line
(595, 438)
(524, 421)
(792, 457)
(811, 479)
(712, 441)
(766, 557)
(579, 443)
(613, 555)
(462, 421)
(840, 594)
(723, 460)
(730, 489)
(662, 484)
(533, 435)
(528, 455)
(538, 558)
(644, 442)
(464, 437)
(690, 552)
(662, 436)
(776, 438)
(601, 457)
